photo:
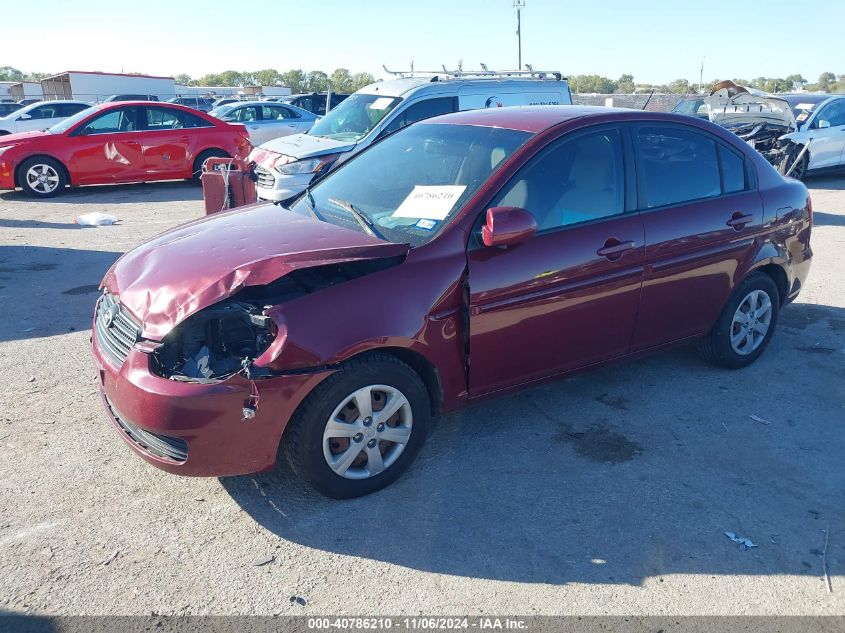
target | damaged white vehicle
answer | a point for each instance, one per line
(765, 122)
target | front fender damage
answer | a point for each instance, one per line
(238, 335)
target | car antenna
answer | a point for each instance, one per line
(649, 99)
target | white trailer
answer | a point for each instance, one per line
(96, 86)
(26, 90)
(6, 89)
(206, 91)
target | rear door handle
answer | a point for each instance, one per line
(613, 249)
(738, 220)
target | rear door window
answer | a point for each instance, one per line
(733, 170)
(676, 165)
(277, 113)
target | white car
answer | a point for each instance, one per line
(820, 120)
(266, 120)
(40, 116)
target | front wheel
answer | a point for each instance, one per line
(360, 429)
(745, 326)
(42, 177)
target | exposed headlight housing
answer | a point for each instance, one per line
(3, 149)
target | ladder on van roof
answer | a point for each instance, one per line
(484, 72)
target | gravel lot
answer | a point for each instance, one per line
(605, 494)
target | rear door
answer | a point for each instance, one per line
(107, 148)
(568, 297)
(171, 139)
(827, 146)
(276, 121)
(701, 212)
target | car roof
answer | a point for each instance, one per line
(536, 119)
(399, 87)
(796, 98)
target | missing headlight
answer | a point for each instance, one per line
(214, 343)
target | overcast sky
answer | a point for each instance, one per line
(654, 40)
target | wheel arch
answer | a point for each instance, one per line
(41, 155)
(423, 367)
(778, 275)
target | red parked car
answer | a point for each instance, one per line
(117, 142)
(461, 258)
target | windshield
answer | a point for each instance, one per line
(64, 126)
(804, 105)
(413, 183)
(354, 117)
(689, 106)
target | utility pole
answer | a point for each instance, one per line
(518, 5)
(701, 77)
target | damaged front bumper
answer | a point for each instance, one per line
(199, 429)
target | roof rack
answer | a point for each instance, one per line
(484, 72)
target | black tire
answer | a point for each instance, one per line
(716, 347)
(800, 170)
(302, 443)
(54, 184)
(196, 171)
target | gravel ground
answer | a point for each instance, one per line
(605, 494)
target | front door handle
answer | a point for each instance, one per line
(613, 249)
(738, 220)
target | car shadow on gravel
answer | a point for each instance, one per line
(47, 291)
(168, 191)
(622, 474)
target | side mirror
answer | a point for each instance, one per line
(25, 117)
(508, 226)
(823, 124)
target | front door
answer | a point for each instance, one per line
(827, 133)
(107, 148)
(700, 213)
(568, 297)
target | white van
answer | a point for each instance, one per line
(284, 167)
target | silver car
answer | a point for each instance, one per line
(266, 120)
(820, 120)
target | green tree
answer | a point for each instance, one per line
(341, 80)
(359, 80)
(679, 86)
(268, 77)
(592, 84)
(316, 81)
(825, 81)
(183, 80)
(295, 80)
(625, 84)
(7, 73)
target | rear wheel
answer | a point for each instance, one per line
(360, 429)
(196, 172)
(745, 326)
(41, 177)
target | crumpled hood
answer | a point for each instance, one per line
(186, 269)
(305, 146)
(731, 105)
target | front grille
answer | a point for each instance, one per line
(116, 330)
(264, 178)
(172, 448)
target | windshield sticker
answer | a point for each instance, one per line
(431, 203)
(381, 103)
(805, 106)
(426, 224)
(802, 116)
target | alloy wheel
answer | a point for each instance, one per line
(751, 322)
(42, 178)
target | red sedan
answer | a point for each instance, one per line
(456, 260)
(129, 141)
